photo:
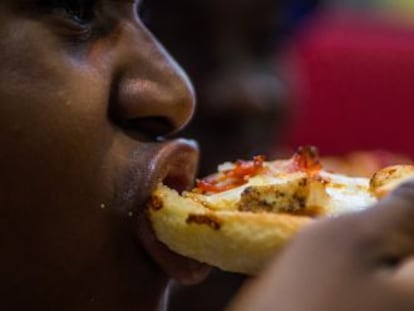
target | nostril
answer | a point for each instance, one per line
(149, 126)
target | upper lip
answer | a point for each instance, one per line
(173, 162)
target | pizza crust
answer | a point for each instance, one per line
(235, 241)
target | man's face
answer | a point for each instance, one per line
(85, 91)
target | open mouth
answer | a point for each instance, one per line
(180, 173)
(174, 164)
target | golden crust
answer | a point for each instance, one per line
(235, 241)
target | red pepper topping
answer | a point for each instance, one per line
(204, 186)
(245, 169)
(306, 159)
(232, 178)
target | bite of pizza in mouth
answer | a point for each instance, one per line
(239, 217)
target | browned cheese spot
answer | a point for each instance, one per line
(303, 182)
(209, 220)
(298, 201)
(392, 171)
(155, 203)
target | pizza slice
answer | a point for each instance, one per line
(238, 218)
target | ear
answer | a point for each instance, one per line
(184, 270)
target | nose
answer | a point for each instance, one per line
(151, 93)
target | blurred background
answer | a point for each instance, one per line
(273, 75)
(351, 68)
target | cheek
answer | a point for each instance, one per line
(55, 120)
(56, 155)
(52, 109)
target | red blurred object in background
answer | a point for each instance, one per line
(353, 80)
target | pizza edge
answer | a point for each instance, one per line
(234, 241)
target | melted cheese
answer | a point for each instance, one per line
(347, 194)
(326, 194)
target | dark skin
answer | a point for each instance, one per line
(85, 92)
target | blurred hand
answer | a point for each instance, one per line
(359, 262)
